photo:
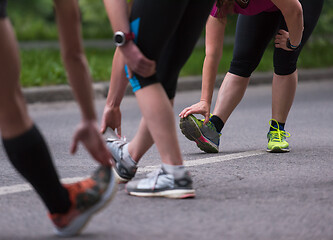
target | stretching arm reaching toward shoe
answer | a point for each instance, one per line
(68, 19)
(117, 87)
(215, 29)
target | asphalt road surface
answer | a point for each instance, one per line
(242, 192)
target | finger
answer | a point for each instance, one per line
(186, 113)
(277, 45)
(283, 32)
(206, 118)
(182, 113)
(278, 36)
(119, 130)
(103, 128)
(206, 121)
(74, 145)
(191, 111)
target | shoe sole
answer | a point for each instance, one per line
(278, 150)
(192, 132)
(175, 194)
(119, 179)
(78, 224)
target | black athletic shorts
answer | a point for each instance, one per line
(254, 33)
(167, 31)
(3, 6)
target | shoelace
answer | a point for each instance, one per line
(210, 125)
(278, 135)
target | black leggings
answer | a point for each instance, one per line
(253, 34)
(167, 31)
(3, 5)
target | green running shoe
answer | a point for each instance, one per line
(277, 139)
(205, 136)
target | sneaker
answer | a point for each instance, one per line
(205, 136)
(162, 184)
(277, 139)
(125, 167)
(87, 198)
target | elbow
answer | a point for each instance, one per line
(295, 11)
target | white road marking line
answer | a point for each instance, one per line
(203, 161)
(27, 187)
(190, 163)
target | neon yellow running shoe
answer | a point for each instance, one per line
(277, 139)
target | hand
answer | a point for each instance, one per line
(111, 118)
(281, 40)
(136, 61)
(87, 133)
(201, 107)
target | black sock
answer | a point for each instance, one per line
(30, 156)
(218, 123)
(274, 124)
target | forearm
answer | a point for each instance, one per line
(68, 19)
(118, 81)
(117, 11)
(81, 83)
(214, 49)
(209, 73)
(295, 26)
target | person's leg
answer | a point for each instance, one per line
(285, 76)
(159, 23)
(168, 69)
(29, 154)
(285, 79)
(24, 145)
(142, 141)
(229, 96)
(253, 33)
(159, 114)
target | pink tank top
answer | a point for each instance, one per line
(255, 7)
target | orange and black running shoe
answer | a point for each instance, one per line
(87, 197)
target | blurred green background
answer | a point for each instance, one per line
(35, 21)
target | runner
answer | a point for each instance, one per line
(70, 206)
(166, 32)
(259, 21)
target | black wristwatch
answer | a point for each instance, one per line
(292, 47)
(121, 38)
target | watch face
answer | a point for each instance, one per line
(118, 39)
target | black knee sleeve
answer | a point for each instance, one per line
(242, 68)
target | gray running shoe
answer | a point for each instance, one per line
(125, 167)
(162, 184)
(205, 136)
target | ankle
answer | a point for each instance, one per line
(218, 123)
(128, 155)
(274, 125)
(176, 170)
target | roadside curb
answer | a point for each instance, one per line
(63, 92)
